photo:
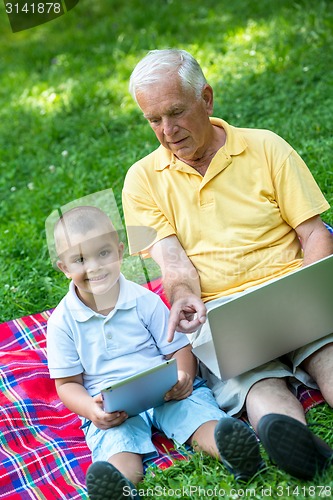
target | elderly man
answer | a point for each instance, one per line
(231, 208)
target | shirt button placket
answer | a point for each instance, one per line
(107, 335)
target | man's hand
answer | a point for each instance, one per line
(182, 286)
(183, 389)
(103, 420)
(187, 314)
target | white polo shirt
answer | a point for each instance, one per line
(131, 338)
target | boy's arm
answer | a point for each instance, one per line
(73, 394)
(187, 369)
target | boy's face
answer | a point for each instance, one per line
(93, 262)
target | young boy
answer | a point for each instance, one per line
(108, 328)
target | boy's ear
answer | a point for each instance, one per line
(121, 250)
(63, 268)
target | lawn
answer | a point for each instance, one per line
(69, 128)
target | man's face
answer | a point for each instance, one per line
(178, 117)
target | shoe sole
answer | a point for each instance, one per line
(105, 482)
(238, 447)
(292, 446)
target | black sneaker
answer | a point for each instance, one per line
(293, 447)
(238, 447)
(105, 482)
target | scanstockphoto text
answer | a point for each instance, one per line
(245, 265)
(279, 491)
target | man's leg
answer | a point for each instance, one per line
(272, 395)
(320, 366)
(279, 419)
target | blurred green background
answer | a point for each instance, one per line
(68, 126)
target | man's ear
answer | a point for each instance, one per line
(63, 268)
(208, 96)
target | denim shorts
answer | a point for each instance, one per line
(177, 419)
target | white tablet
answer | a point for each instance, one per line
(141, 391)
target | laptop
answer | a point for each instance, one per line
(270, 320)
(141, 391)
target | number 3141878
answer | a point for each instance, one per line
(33, 8)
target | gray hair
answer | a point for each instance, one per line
(154, 66)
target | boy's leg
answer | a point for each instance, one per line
(203, 439)
(117, 458)
(105, 481)
(233, 442)
(129, 464)
(196, 419)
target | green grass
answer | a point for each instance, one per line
(202, 476)
(64, 88)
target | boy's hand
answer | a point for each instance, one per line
(183, 389)
(104, 420)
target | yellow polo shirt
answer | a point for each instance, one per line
(235, 223)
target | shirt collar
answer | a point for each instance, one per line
(126, 299)
(235, 145)
(82, 313)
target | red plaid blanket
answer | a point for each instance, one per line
(43, 455)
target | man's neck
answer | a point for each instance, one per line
(202, 163)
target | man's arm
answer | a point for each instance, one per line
(316, 240)
(181, 284)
